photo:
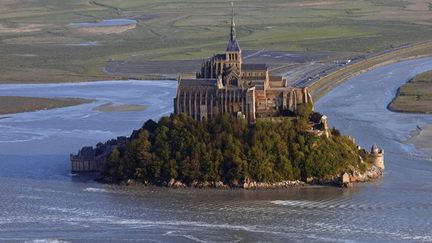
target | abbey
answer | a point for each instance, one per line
(226, 84)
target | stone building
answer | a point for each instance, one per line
(377, 156)
(91, 159)
(226, 84)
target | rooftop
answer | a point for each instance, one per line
(198, 82)
(254, 67)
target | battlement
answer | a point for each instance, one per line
(91, 159)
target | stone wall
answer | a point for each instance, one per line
(377, 156)
(89, 159)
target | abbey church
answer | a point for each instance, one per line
(226, 84)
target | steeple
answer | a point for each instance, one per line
(233, 45)
(233, 32)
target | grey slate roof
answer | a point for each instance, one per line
(233, 45)
(254, 67)
(198, 83)
(220, 57)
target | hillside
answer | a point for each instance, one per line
(228, 150)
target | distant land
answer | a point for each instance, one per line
(74, 41)
(16, 104)
(414, 96)
(304, 41)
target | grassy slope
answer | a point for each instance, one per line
(415, 96)
(14, 104)
(184, 30)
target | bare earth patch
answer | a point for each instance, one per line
(110, 107)
(418, 5)
(21, 28)
(107, 29)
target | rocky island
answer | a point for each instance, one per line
(234, 125)
(226, 151)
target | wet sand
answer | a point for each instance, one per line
(422, 138)
(110, 107)
(18, 104)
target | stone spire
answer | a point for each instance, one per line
(233, 44)
(233, 32)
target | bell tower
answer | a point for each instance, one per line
(233, 56)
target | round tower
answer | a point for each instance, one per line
(377, 156)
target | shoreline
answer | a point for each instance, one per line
(20, 104)
(389, 106)
(144, 79)
(111, 107)
(413, 96)
(328, 82)
(345, 180)
(10, 105)
(420, 137)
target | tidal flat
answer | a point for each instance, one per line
(422, 138)
(110, 107)
(43, 201)
(18, 104)
(415, 96)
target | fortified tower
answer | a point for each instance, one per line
(377, 156)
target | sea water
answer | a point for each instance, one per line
(40, 200)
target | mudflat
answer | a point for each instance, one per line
(422, 138)
(415, 95)
(17, 104)
(110, 107)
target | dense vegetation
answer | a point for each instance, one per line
(227, 149)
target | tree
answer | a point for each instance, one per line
(304, 111)
(228, 149)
